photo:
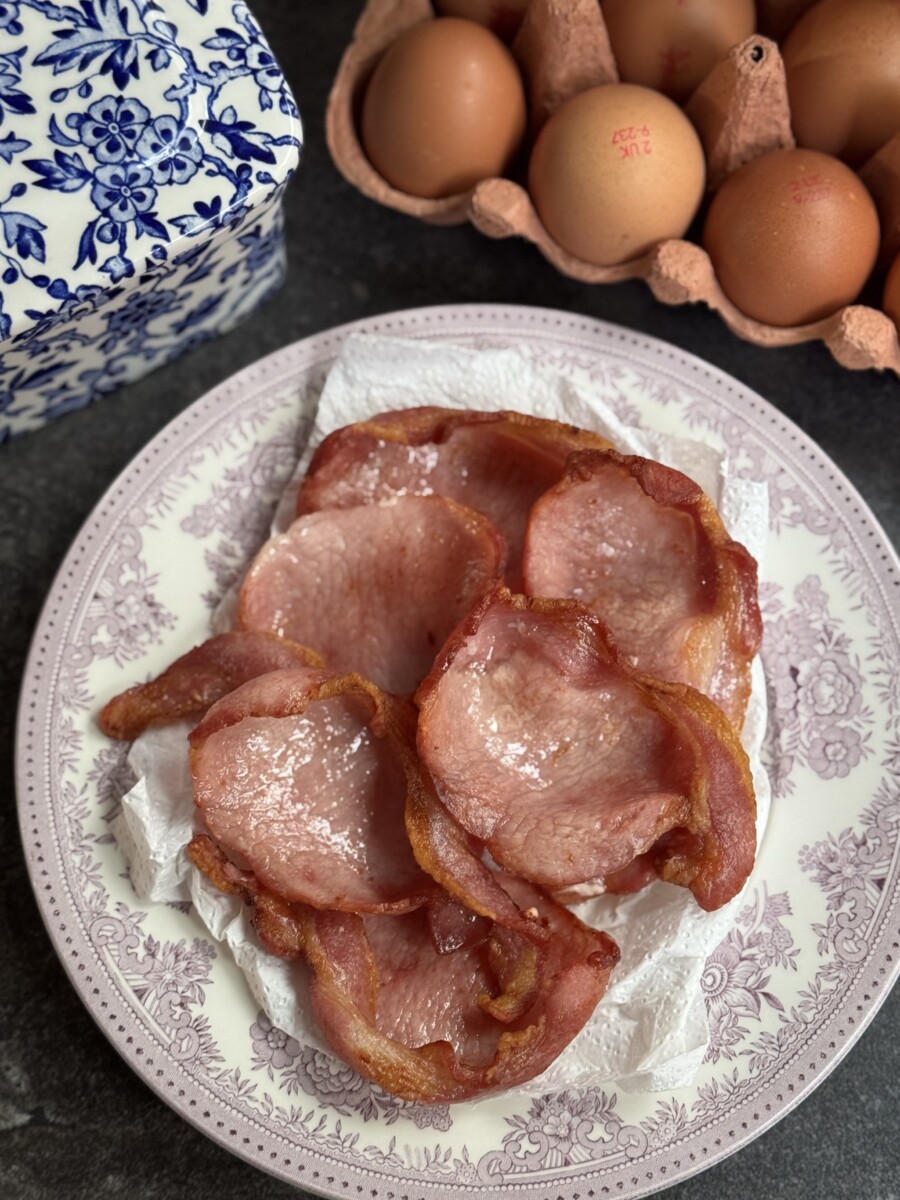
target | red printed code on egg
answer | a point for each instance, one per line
(808, 188)
(632, 140)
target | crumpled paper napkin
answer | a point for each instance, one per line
(650, 1031)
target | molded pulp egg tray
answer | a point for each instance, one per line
(144, 149)
(741, 110)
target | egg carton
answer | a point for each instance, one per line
(741, 111)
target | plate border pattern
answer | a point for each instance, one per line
(630, 1171)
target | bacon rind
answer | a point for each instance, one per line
(394, 885)
(543, 995)
(571, 985)
(275, 921)
(708, 839)
(501, 472)
(194, 682)
(455, 859)
(730, 621)
(723, 805)
(430, 424)
(374, 588)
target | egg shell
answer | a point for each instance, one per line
(502, 17)
(793, 237)
(775, 18)
(616, 170)
(744, 109)
(891, 300)
(842, 60)
(672, 45)
(445, 108)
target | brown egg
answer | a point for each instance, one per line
(444, 109)
(774, 18)
(502, 16)
(792, 236)
(672, 45)
(842, 60)
(891, 303)
(615, 170)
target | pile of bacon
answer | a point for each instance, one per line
(490, 662)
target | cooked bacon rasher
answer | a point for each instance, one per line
(642, 546)
(567, 764)
(427, 1022)
(301, 777)
(498, 463)
(405, 804)
(376, 588)
(198, 679)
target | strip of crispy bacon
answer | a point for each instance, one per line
(430, 1021)
(198, 679)
(377, 588)
(456, 860)
(498, 463)
(275, 921)
(567, 764)
(301, 776)
(644, 548)
(449, 1027)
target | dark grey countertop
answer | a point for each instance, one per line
(74, 1121)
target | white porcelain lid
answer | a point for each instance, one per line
(130, 131)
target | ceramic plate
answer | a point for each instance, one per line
(813, 951)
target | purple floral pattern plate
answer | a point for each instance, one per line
(813, 951)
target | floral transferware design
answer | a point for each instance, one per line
(168, 979)
(738, 980)
(146, 146)
(238, 512)
(815, 683)
(335, 1085)
(561, 1131)
(852, 868)
(806, 953)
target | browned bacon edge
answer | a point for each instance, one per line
(667, 486)
(455, 859)
(712, 855)
(194, 682)
(727, 561)
(393, 718)
(545, 995)
(275, 920)
(431, 424)
(574, 974)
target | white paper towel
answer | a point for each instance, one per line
(650, 1032)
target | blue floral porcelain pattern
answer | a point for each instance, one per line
(145, 146)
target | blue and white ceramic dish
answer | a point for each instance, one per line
(144, 148)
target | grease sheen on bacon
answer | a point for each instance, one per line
(301, 777)
(377, 588)
(359, 840)
(642, 546)
(498, 463)
(568, 765)
(434, 1019)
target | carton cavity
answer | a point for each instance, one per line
(741, 111)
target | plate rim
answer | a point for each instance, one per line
(209, 409)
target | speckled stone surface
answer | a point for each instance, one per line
(75, 1124)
